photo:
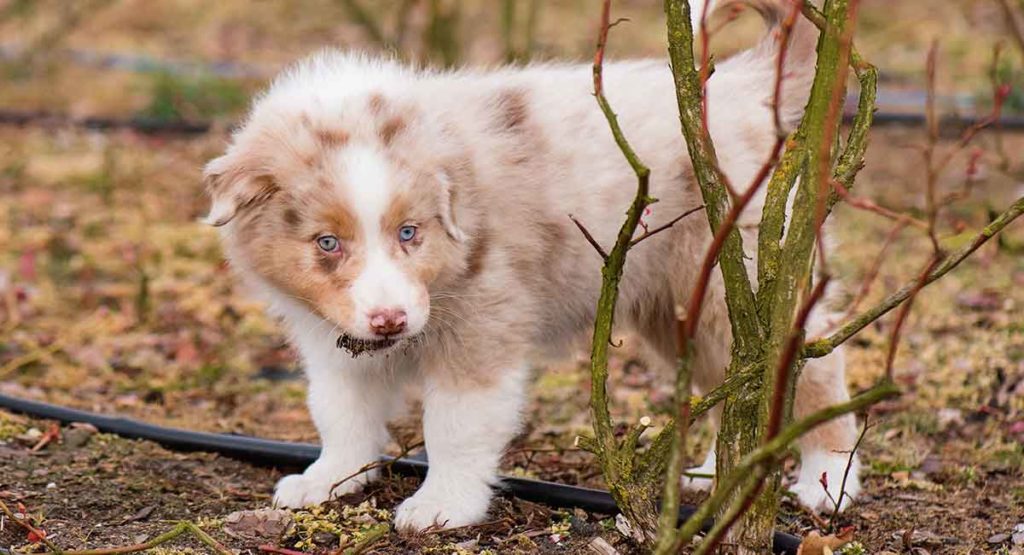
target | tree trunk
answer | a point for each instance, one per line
(739, 435)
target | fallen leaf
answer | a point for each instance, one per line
(816, 544)
(259, 523)
(986, 299)
(996, 539)
(141, 514)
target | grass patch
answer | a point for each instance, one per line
(176, 97)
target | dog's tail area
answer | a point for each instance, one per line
(762, 60)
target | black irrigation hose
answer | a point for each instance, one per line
(153, 126)
(268, 452)
(950, 123)
(144, 125)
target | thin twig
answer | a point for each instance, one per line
(661, 228)
(931, 171)
(876, 267)
(870, 206)
(904, 311)
(267, 548)
(387, 463)
(785, 32)
(590, 238)
(846, 472)
(179, 529)
(1013, 23)
(28, 527)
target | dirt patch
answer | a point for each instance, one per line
(113, 492)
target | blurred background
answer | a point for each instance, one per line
(114, 298)
(198, 60)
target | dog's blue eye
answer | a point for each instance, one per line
(406, 233)
(328, 243)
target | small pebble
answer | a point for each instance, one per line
(950, 417)
(325, 539)
(77, 437)
(626, 528)
(870, 516)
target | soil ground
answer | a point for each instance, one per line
(115, 300)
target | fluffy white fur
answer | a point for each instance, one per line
(498, 160)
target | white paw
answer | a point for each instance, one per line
(700, 478)
(314, 486)
(697, 483)
(447, 510)
(299, 490)
(809, 489)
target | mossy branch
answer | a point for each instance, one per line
(747, 332)
(372, 536)
(773, 452)
(824, 346)
(615, 259)
(773, 220)
(627, 473)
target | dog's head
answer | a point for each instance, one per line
(343, 201)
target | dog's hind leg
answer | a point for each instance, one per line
(826, 449)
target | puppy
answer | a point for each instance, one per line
(413, 226)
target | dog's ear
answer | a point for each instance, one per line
(447, 201)
(233, 186)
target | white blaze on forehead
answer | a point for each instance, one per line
(367, 182)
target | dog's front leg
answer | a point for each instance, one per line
(350, 407)
(466, 427)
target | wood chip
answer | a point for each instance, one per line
(600, 546)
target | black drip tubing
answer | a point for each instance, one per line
(268, 452)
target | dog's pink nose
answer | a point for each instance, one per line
(387, 321)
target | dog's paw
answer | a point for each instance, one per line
(696, 483)
(700, 478)
(314, 486)
(428, 508)
(810, 489)
(300, 490)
